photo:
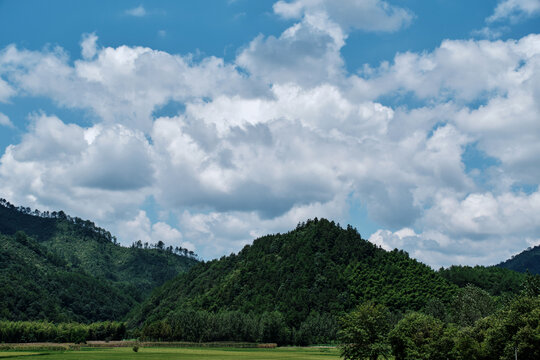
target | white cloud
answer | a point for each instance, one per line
(367, 15)
(6, 91)
(89, 46)
(463, 70)
(295, 137)
(124, 84)
(515, 10)
(141, 228)
(92, 172)
(489, 32)
(139, 11)
(459, 230)
(219, 233)
(307, 53)
(5, 121)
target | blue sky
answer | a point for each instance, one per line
(208, 123)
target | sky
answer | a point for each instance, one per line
(206, 124)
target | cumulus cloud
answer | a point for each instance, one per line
(87, 171)
(5, 121)
(89, 45)
(219, 233)
(505, 224)
(6, 91)
(514, 10)
(367, 15)
(284, 134)
(307, 53)
(458, 69)
(124, 84)
(141, 228)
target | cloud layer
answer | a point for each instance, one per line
(284, 133)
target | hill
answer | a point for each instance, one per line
(528, 260)
(318, 268)
(87, 259)
(37, 284)
(495, 280)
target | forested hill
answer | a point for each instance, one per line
(39, 285)
(495, 280)
(317, 268)
(528, 260)
(80, 247)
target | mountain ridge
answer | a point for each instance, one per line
(527, 260)
(317, 267)
(54, 245)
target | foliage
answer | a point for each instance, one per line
(515, 328)
(531, 285)
(38, 285)
(364, 333)
(471, 304)
(495, 280)
(203, 326)
(528, 260)
(69, 269)
(317, 268)
(316, 329)
(43, 331)
(420, 337)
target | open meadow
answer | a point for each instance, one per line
(293, 353)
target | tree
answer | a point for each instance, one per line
(364, 333)
(531, 285)
(471, 304)
(515, 329)
(420, 337)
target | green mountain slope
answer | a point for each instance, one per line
(317, 268)
(495, 280)
(528, 260)
(84, 253)
(37, 284)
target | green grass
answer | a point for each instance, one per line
(11, 354)
(189, 353)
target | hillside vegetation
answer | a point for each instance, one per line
(38, 284)
(318, 268)
(57, 268)
(495, 280)
(528, 260)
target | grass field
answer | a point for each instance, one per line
(180, 353)
(11, 354)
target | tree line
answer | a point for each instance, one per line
(268, 327)
(160, 245)
(43, 331)
(87, 225)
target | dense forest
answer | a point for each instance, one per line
(296, 288)
(38, 284)
(58, 268)
(318, 269)
(507, 333)
(495, 280)
(528, 260)
(303, 287)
